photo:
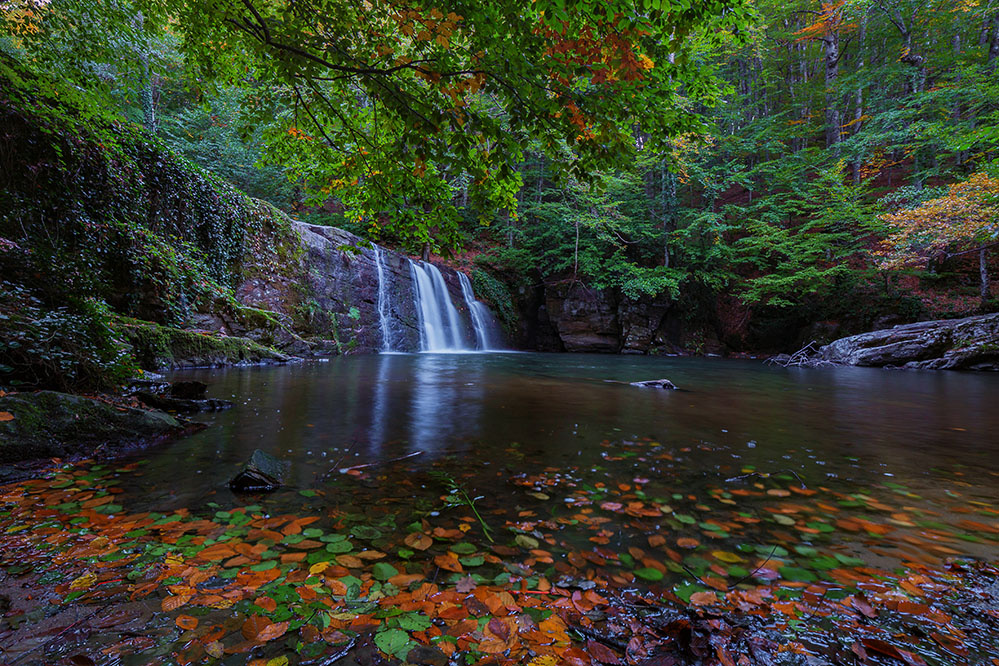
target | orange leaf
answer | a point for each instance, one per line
(703, 598)
(6, 416)
(253, 626)
(173, 603)
(186, 622)
(418, 541)
(266, 603)
(448, 562)
(272, 631)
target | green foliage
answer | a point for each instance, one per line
(389, 106)
(493, 292)
(72, 345)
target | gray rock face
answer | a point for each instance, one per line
(342, 278)
(592, 320)
(971, 343)
(586, 319)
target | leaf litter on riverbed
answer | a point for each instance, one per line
(634, 560)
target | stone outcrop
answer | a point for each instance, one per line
(48, 424)
(971, 343)
(334, 291)
(584, 319)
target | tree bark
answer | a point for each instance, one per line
(858, 113)
(983, 274)
(830, 42)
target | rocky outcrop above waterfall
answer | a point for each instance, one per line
(364, 298)
(957, 344)
(569, 316)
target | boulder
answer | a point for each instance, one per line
(182, 405)
(48, 424)
(262, 473)
(971, 343)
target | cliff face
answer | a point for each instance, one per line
(117, 254)
(569, 316)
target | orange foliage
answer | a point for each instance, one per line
(965, 218)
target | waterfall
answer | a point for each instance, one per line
(384, 303)
(440, 327)
(480, 313)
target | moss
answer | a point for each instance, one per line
(161, 347)
(495, 293)
(47, 424)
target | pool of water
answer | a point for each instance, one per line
(532, 474)
(852, 425)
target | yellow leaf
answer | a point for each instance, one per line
(83, 582)
(319, 567)
(543, 660)
(278, 661)
(215, 649)
(724, 556)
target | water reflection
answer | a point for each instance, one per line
(848, 422)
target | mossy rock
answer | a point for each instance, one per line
(164, 347)
(48, 424)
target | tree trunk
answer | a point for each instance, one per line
(669, 207)
(983, 274)
(858, 112)
(994, 42)
(831, 44)
(146, 91)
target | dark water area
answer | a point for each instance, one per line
(853, 425)
(789, 492)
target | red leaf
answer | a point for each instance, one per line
(602, 653)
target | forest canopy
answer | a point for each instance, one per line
(387, 105)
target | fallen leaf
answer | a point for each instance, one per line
(187, 622)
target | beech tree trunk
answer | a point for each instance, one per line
(983, 274)
(831, 43)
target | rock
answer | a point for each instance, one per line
(971, 343)
(180, 405)
(585, 319)
(189, 390)
(48, 424)
(262, 473)
(656, 384)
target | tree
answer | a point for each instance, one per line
(396, 101)
(964, 221)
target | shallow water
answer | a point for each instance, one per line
(856, 425)
(530, 474)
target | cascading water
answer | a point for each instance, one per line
(384, 303)
(440, 327)
(479, 312)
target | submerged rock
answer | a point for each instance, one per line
(656, 384)
(181, 405)
(262, 473)
(189, 390)
(48, 424)
(971, 343)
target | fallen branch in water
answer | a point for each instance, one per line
(806, 357)
(345, 470)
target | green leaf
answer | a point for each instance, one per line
(394, 642)
(383, 571)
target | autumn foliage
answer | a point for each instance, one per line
(965, 219)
